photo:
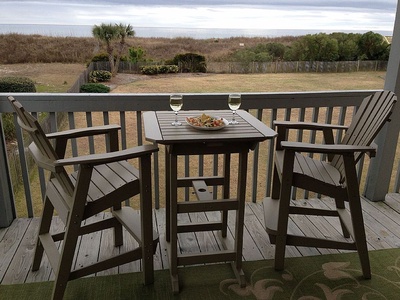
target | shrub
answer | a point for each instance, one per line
(149, 70)
(104, 57)
(17, 85)
(136, 54)
(14, 85)
(161, 69)
(100, 57)
(99, 76)
(190, 62)
(94, 88)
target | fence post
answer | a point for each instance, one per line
(7, 208)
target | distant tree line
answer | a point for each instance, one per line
(320, 47)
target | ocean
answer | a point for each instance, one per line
(165, 32)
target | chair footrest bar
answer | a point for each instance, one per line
(207, 205)
(50, 249)
(105, 264)
(131, 221)
(199, 227)
(207, 257)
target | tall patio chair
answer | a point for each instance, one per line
(101, 182)
(336, 178)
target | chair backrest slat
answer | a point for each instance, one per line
(374, 112)
(33, 128)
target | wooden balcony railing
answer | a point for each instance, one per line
(68, 111)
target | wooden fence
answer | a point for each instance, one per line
(269, 67)
(296, 67)
(82, 79)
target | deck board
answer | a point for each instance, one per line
(21, 262)
(9, 246)
(382, 221)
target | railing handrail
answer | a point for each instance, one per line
(78, 102)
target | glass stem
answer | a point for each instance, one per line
(176, 117)
(233, 116)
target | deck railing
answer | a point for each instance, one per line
(81, 110)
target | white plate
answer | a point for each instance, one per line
(224, 124)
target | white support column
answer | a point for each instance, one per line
(381, 167)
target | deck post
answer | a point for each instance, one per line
(7, 208)
(380, 171)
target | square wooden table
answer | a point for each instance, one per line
(185, 140)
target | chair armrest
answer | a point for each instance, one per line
(283, 127)
(308, 125)
(328, 148)
(104, 158)
(62, 137)
(82, 132)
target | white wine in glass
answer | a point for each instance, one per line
(234, 102)
(176, 103)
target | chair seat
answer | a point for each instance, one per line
(111, 181)
(321, 171)
(109, 178)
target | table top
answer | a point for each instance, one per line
(158, 128)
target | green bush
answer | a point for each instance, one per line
(100, 57)
(17, 85)
(104, 57)
(99, 76)
(14, 85)
(94, 88)
(160, 69)
(190, 62)
(149, 70)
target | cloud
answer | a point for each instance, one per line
(388, 5)
(243, 14)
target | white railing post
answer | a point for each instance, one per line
(380, 170)
(7, 208)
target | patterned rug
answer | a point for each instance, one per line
(336, 276)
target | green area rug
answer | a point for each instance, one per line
(336, 276)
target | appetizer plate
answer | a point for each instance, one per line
(205, 122)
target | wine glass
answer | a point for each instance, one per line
(234, 102)
(176, 103)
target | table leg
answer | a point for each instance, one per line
(241, 195)
(173, 219)
(167, 193)
(226, 192)
(146, 220)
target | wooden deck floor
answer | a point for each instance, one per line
(17, 242)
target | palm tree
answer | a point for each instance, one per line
(123, 31)
(107, 33)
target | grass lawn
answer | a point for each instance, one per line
(220, 83)
(59, 78)
(48, 78)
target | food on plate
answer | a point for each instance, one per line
(205, 121)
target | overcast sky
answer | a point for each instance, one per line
(276, 14)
